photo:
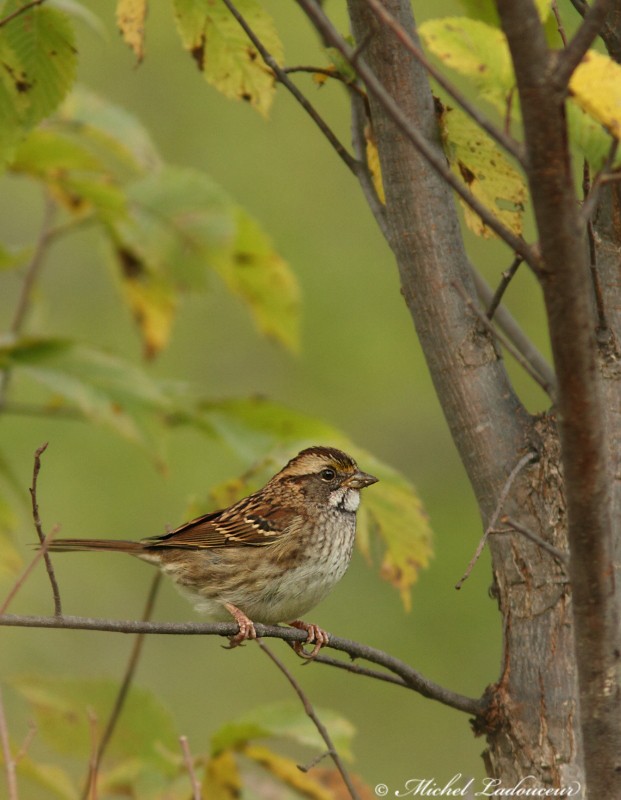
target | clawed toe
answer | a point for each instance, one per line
(246, 628)
(315, 635)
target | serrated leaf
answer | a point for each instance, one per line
(286, 771)
(596, 87)
(61, 708)
(223, 52)
(391, 510)
(284, 720)
(43, 43)
(475, 158)
(131, 17)
(255, 272)
(476, 50)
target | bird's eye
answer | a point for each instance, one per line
(327, 474)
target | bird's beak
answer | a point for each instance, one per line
(359, 480)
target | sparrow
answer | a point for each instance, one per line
(270, 557)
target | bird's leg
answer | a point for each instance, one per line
(246, 626)
(315, 634)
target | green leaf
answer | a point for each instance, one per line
(105, 389)
(475, 158)
(43, 69)
(50, 777)
(391, 511)
(223, 52)
(589, 137)
(476, 50)
(62, 707)
(255, 272)
(284, 720)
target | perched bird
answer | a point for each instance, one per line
(268, 558)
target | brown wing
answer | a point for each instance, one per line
(246, 523)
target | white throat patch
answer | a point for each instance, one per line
(345, 499)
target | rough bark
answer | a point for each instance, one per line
(533, 722)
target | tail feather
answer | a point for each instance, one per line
(112, 545)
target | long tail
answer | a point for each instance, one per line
(112, 545)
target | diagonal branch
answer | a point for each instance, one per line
(282, 77)
(584, 37)
(412, 679)
(433, 156)
(312, 714)
(506, 141)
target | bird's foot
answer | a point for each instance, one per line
(316, 636)
(246, 627)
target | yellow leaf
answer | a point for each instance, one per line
(596, 88)
(152, 301)
(286, 770)
(221, 780)
(485, 170)
(373, 163)
(223, 52)
(130, 17)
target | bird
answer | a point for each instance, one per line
(270, 557)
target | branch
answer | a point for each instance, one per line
(611, 29)
(434, 157)
(189, 765)
(37, 523)
(584, 37)
(7, 756)
(283, 78)
(312, 714)
(5, 20)
(412, 679)
(506, 141)
(507, 277)
(119, 702)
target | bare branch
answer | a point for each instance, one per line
(188, 760)
(128, 678)
(27, 7)
(494, 518)
(506, 141)
(559, 23)
(37, 523)
(435, 158)
(507, 277)
(283, 78)
(584, 37)
(312, 714)
(413, 679)
(611, 29)
(7, 756)
(559, 555)
(523, 362)
(514, 333)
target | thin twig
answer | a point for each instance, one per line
(509, 144)
(507, 277)
(413, 679)
(554, 551)
(24, 576)
(433, 155)
(93, 763)
(504, 320)
(7, 756)
(5, 20)
(357, 669)
(283, 78)
(328, 73)
(121, 697)
(559, 23)
(526, 459)
(189, 765)
(28, 740)
(312, 714)
(37, 523)
(523, 362)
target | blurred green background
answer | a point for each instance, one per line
(360, 368)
